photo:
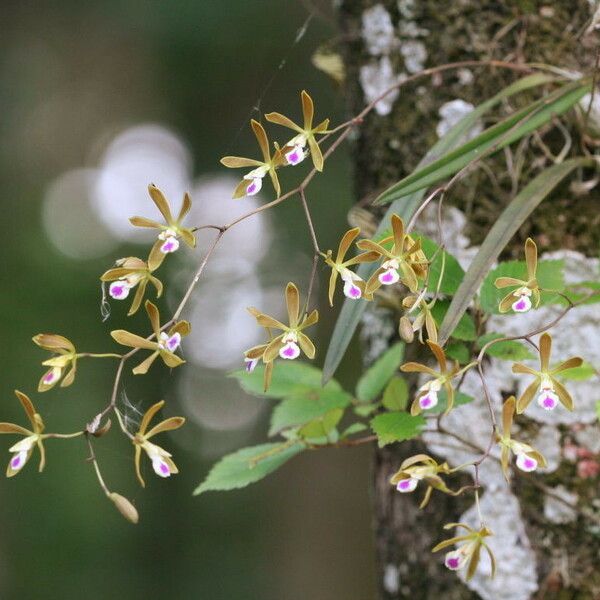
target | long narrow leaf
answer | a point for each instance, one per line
(405, 206)
(513, 216)
(491, 140)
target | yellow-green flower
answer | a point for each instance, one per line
(354, 286)
(129, 273)
(404, 262)
(170, 231)
(550, 390)
(162, 463)
(287, 344)
(66, 357)
(528, 458)
(23, 450)
(520, 299)
(427, 395)
(469, 552)
(251, 184)
(422, 467)
(164, 343)
(294, 151)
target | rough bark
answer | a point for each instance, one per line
(387, 147)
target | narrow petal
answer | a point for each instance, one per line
(315, 153)
(186, 205)
(545, 351)
(137, 460)
(508, 414)
(28, 407)
(346, 243)
(572, 363)
(308, 110)
(154, 317)
(261, 138)
(275, 181)
(237, 162)
(269, 322)
(161, 203)
(53, 342)
(12, 428)
(144, 222)
(439, 354)
(181, 327)
(398, 231)
(531, 258)
(125, 338)
(169, 424)
(292, 300)
(310, 319)
(527, 396)
(139, 296)
(506, 303)
(149, 415)
(143, 367)
(502, 282)
(69, 378)
(414, 367)
(519, 368)
(188, 237)
(307, 346)
(279, 119)
(156, 256)
(170, 359)
(332, 281)
(563, 394)
(272, 350)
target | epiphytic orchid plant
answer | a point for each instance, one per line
(437, 300)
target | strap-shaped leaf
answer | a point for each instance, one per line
(491, 140)
(404, 206)
(500, 234)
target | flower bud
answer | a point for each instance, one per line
(405, 330)
(125, 507)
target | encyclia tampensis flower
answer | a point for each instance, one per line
(528, 459)
(549, 390)
(404, 261)
(251, 184)
(469, 551)
(32, 438)
(162, 463)
(292, 340)
(170, 231)
(63, 366)
(294, 151)
(354, 286)
(427, 394)
(520, 299)
(422, 467)
(126, 275)
(164, 344)
(423, 321)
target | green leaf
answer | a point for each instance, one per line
(453, 272)
(500, 234)
(507, 350)
(459, 399)
(395, 395)
(371, 384)
(323, 425)
(404, 206)
(289, 378)
(500, 135)
(352, 429)
(247, 465)
(550, 275)
(458, 351)
(299, 410)
(465, 330)
(396, 426)
(364, 410)
(585, 371)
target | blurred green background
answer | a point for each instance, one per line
(98, 99)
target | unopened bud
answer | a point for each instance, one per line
(405, 330)
(125, 507)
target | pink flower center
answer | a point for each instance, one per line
(15, 463)
(521, 305)
(164, 468)
(289, 351)
(387, 277)
(453, 563)
(49, 377)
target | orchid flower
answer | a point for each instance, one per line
(550, 391)
(423, 320)
(295, 150)
(66, 357)
(23, 450)
(170, 232)
(162, 463)
(251, 184)
(354, 286)
(520, 299)
(290, 342)
(469, 552)
(164, 343)
(528, 458)
(427, 395)
(405, 261)
(129, 273)
(422, 467)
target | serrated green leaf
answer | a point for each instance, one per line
(289, 378)
(352, 429)
(376, 377)
(323, 425)
(493, 139)
(460, 398)
(508, 350)
(453, 272)
(500, 234)
(550, 276)
(395, 395)
(582, 373)
(247, 466)
(392, 427)
(458, 351)
(464, 331)
(405, 206)
(299, 410)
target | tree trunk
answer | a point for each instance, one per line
(383, 41)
